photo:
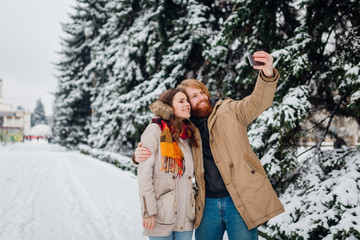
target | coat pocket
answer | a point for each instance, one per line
(166, 208)
(255, 167)
(255, 191)
(191, 206)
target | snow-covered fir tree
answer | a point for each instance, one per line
(118, 56)
(72, 99)
(38, 116)
(148, 49)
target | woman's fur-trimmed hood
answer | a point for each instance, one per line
(162, 110)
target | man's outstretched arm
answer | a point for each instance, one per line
(261, 98)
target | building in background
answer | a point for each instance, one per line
(342, 131)
(14, 123)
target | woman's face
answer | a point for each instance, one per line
(181, 106)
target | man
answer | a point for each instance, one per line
(234, 193)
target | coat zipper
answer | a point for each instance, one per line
(145, 208)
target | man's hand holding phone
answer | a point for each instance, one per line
(262, 61)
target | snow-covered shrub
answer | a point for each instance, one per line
(121, 161)
(323, 202)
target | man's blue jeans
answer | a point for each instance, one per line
(220, 214)
(185, 235)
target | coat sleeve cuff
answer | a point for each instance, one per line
(150, 212)
(270, 79)
(133, 160)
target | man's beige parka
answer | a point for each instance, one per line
(241, 170)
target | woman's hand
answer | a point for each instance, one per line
(149, 222)
(267, 59)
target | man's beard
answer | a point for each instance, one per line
(202, 111)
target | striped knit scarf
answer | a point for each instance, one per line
(172, 158)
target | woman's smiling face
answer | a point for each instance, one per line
(181, 106)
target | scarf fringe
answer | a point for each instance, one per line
(170, 165)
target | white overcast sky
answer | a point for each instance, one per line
(30, 32)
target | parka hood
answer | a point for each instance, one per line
(162, 110)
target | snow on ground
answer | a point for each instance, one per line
(47, 192)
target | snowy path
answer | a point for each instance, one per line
(47, 192)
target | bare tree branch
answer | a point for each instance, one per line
(330, 120)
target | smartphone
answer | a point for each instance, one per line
(253, 62)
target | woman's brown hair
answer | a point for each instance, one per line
(168, 98)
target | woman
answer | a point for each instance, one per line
(165, 179)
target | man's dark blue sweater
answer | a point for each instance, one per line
(214, 184)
